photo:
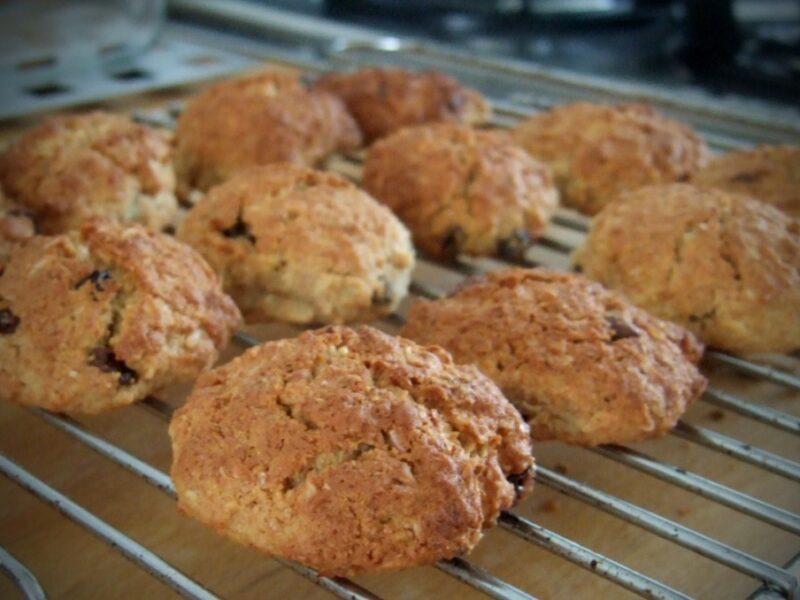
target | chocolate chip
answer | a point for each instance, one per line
(8, 321)
(169, 229)
(453, 241)
(513, 247)
(620, 329)
(746, 177)
(239, 229)
(104, 359)
(98, 278)
(21, 212)
(384, 297)
(576, 268)
(702, 317)
(520, 481)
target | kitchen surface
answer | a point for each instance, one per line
(711, 510)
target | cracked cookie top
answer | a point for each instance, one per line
(69, 169)
(349, 450)
(383, 100)
(598, 151)
(105, 316)
(725, 266)
(256, 120)
(462, 191)
(768, 173)
(299, 245)
(581, 363)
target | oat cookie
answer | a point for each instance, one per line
(581, 363)
(304, 246)
(725, 266)
(768, 173)
(69, 169)
(598, 151)
(461, 190)
(104, 316)
(349, 451)
(256, 120)
(383, 100)
(16, 225)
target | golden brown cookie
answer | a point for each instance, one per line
(725, 266)
(104, 316)
(582, 364)
(460, 190)
(768, 173)
(597, 151)
(304, 246)
(16, 225)
(349, 451)
(256, 120)
(69, 169)
(383, 100)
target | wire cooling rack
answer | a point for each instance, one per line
(431, 281)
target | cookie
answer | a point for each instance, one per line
(349, 451)
(769, 173)
(581, 363)
(597, 151)
(256, 120)
(96, 164)
(725, 266)
(105, 316)
(383, 100)
(304, 246)
(462, 191)
(16, 225)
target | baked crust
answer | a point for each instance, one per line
(16, 225)
(103, 317)
(460, 190)
(383, 100)
(304, 246)
(768, 173)
(598, 151)
(96, 164)
(725, 266)
(349, 451)
(581, 363)
(254, 120)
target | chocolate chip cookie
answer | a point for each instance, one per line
(104, 316)
(725, 266)
(349, 451)
(256, 120)
(69, 169)
(462, 191)
(383, 100)
(16, 225)
(768, 173)
(598, 151)
(304, 246)
(582, 364)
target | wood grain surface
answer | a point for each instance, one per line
(71, 563)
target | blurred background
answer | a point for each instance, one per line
(58, 53)
(744, 46)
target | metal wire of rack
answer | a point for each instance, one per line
(777, 581)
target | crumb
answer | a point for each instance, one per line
(549, 506)
(716, 415)
(682, 511)
(560, 469)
